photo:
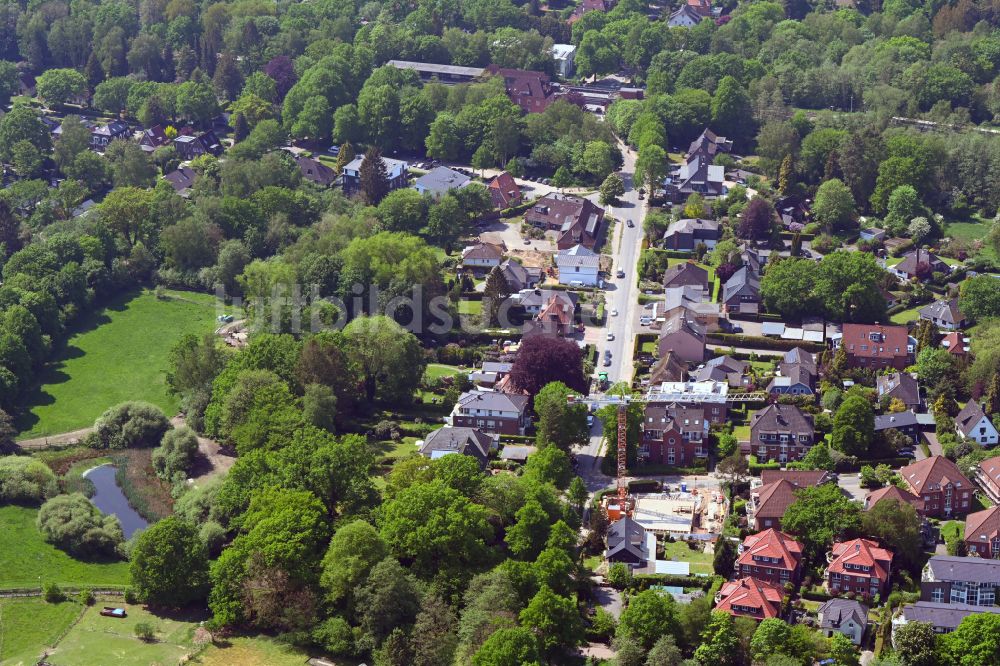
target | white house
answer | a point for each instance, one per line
(972, 423)
(578, 266)
(564, 56)
(685, 17)
(482, 256)
(844, 616)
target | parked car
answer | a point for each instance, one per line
(614, 312)
(735, 328)
(629, 224)
(590, 420)
(611, 336)
(620, 273)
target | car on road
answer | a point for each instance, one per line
(614, 312)
(620, 273)
(607, 360)
(629, 224)
(611, 336)
(527, 241)
(735, 329)
(590, 420)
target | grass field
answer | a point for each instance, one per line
(439, 370)
(971, 230)
(115, 355)
(255, 652)
(30, 626)
(701, 562)
(905, 316)
(470, 307)
(26, 559)
(101, 641)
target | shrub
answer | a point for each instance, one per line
(619, 576)
(144, 631)
(335, 636)
(175, 455)
(130, 425)
(85, 597)
(72, 523)
(52, 593)
(213, 535)
(25, 480)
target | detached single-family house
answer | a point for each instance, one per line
(942, 616)
(532, 91)
(942, 486)
(563, 55)
(769, 501)
(153, 138)
(482, 257)
(876, 346)
(492, 412)
(843, 616)
(918, 263)
(792, 379)
(351, 174)
(957, 343)
(190, 146)
(750, 597)
(982, 533)
(554, 318)
(504, 191)
(685, 17)
(685, 235)
(627, 543)
(576, 221)
(316, 172)
(465, 441)
(520, 277)
(860, 566)
(904, 422)
(102, 135)
(683, 336)
(741, 292)
(900, 386)
(181, 179)
(578, 266)
(439, 181)
(696, 175)
(781, 432)
(686, 274)
(673, 434)
(723, 369)
(944, 313)
(972, 423)
(709, 144)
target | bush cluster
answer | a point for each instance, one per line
(72, 523)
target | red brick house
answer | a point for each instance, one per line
(860, 566)
(750, 597)
(504, 191)
(876, 346)
(943, 488)
(673, 434)
(532, 91)
(576, 221)
(893, 492)
(776, 493)
(781, 432)
(982, 533)
(988, 475)
(770, 556)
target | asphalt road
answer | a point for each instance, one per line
(622, 296)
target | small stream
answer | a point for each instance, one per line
(110, 499)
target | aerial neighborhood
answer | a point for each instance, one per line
(586, 333)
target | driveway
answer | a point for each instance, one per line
(609, 599)
(932, 443)
(851, 484)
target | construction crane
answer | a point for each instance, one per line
(654, 395)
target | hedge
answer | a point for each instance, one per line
(741, 340)
(815, 595)
(646, 581)
(855, 466)
(758, 466)
(671, 254)
(643, 485)
(514, 211)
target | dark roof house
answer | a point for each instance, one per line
(685, 274)
(627, 543)
(577, 221)
(181, 179)
(316, 171)
(944, 313)
(901, 386)
(466, 441)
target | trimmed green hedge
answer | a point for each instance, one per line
(758, 466)
(645, 581)
(741, 340)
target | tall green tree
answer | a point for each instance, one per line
(374, 177)
(720, 642)
(820, 515)
(732, 114)
(560, 422)
(169, 564)
(853, 426)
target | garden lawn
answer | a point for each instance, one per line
(257, 651)
(906, 315)
(103, 641)
(701, 562)
(26, 559)
(741, 433)
(117, 354)
(439, 370)
(474, 308)
(30, 626)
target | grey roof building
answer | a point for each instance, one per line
(439, 181)
(944, 313)
(945, 618)
(466, 441)
(741, 292)
(519, 276)
(723, 369)
(844, 616)
(686, 274)
(901, 386)
(627, 543)
(684, 235)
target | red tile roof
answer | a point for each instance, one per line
(773, 544)
(861, 553)
(954, 342)
(983, 526)
(991, 469)
(892, 492)
(889, 341)
(750, 597)
(529, 90)
(774, 498)
(504, 190)
(930, 474)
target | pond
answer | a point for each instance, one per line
(110, 499)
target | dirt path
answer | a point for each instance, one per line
(213, 462)
(73, 437)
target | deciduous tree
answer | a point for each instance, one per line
(169, 564)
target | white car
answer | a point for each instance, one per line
(614, 313)
(611, 336)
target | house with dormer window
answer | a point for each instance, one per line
(943, 488)
(770, 556)
(860, 566)
(875, 346)
(492, 412)
(982, 533)
(781, 432)
(673, 434)
(750, 597)
(972, 423)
